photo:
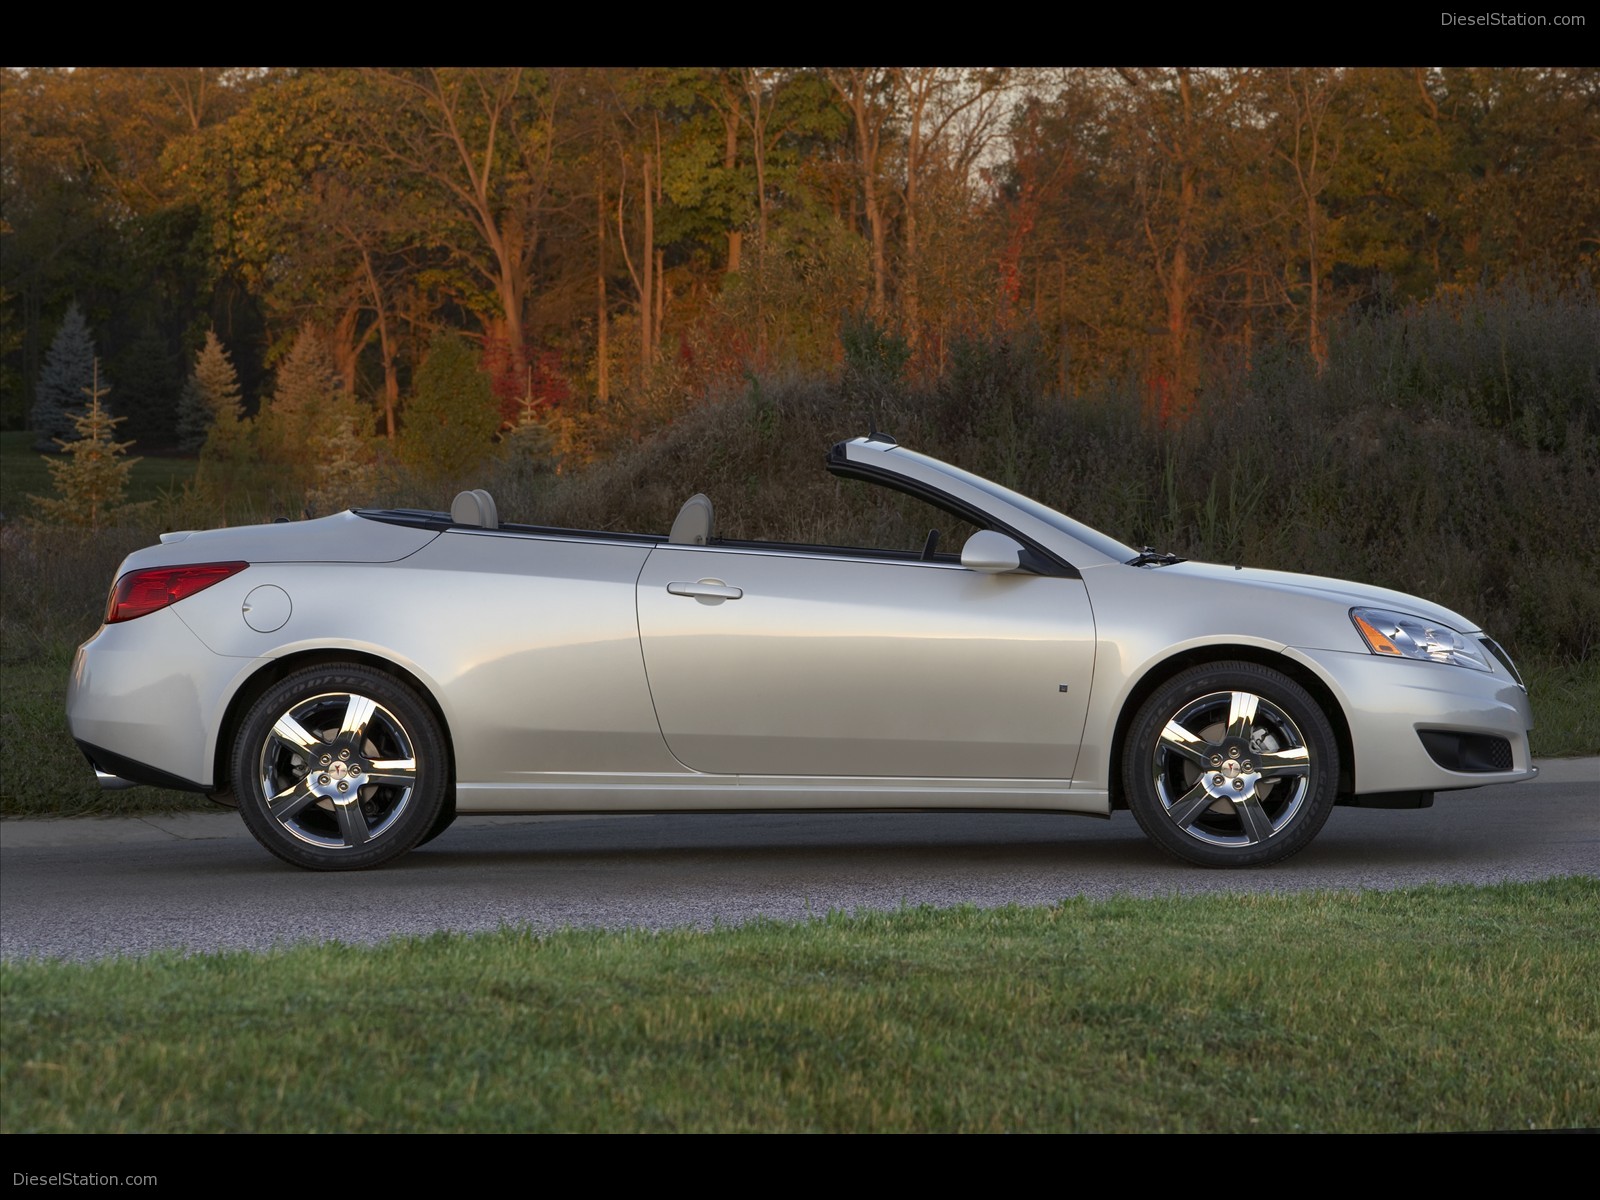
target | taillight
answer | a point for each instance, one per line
(140, 592)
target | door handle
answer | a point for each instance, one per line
(706, 590)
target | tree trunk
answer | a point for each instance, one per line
(730, 160)
(853, 88)
(647, 288)
(347, 347)
(602, 320)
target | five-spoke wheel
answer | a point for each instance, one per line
(1231, 764)
(340, 767)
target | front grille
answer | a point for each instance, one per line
(1466, 751)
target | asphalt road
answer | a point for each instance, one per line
(92, 888)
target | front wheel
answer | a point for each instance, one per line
(340, 767)
(1231, 765)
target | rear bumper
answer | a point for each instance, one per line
(143, 701)
(114, 772)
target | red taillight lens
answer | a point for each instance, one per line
(140, 592)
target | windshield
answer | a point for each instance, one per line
(1092, 538)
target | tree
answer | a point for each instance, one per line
(320, 225)
(346, 473)
(97, 215)
(637, 103)
(1187, 129)
(951, 116)
(149, 387)
(1311, 152)
(453, 416)
(93, 477)
(484, 141)
(870, 95)
(69, 371)
(210, 395)
(229, 450)
(301, 409)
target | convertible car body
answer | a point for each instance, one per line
(354, 682)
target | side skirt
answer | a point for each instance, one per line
(708, 793)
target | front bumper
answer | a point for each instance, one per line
(1390, 703)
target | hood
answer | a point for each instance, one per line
(1336, 591)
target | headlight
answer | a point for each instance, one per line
(1400, 635)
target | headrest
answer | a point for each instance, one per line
(475, 508)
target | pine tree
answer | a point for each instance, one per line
(92, 478)
(306, 388)
(450, 421)
(346, 470)
(68, 371)
(149, 382)
(211, 395)
(228, 452)
(531, 444)
(298, 415)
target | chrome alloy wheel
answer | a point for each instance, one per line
(1231, 769)
(337, 770)
(1231, 764)
(341, 767)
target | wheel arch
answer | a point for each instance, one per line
(1161, 671)
(256, 685)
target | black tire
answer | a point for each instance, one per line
(340, 767)
(445, 819)
(1231, 764)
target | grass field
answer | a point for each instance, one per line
(1438, 1009)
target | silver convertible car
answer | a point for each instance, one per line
(354, 682)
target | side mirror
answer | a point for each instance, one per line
(992, 553)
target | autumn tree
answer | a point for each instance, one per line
(869, 95)
(761, 143)
(96, 213)
(951, 118)
(1146, 221)
(1310, 150)
(639, 170)
(311, 220)
(485, 142)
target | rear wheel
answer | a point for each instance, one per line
(340, 767)
(1231, 765)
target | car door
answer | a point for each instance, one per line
(764, 661)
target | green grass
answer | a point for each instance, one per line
(42, 771)
(1566, 707)
(1434, 1009)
